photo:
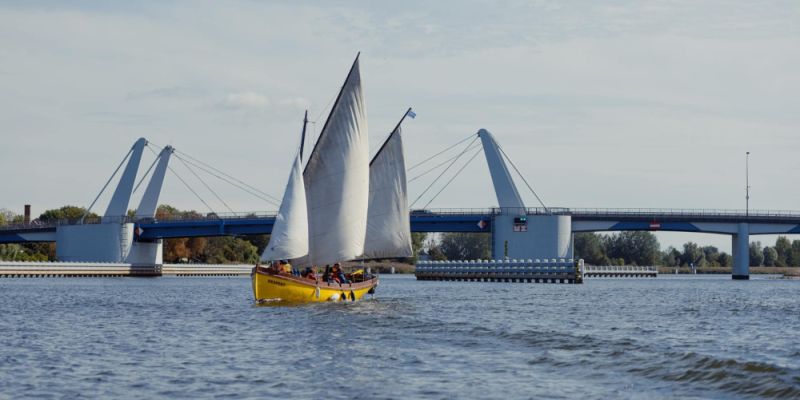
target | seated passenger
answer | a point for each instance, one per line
(326, 276)
(285, 267)
(337, 274)
(309, 274)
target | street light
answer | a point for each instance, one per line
(747, 184)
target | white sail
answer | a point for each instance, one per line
(289, 238)
(388, 226)
(337, 179)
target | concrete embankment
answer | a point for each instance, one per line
(13, 269)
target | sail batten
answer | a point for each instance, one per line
(388, 225)
(336, 179)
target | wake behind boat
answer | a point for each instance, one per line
(341, 206)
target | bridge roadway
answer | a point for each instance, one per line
(457, 220)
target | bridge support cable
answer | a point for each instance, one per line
(205, 184)
(89, 209)
(475, 138)
(169, 167)
(195, 161)
(190, 189)
(523, 179)
(439, 153)
(227, 178)
(243, 187)
(452, 178)
(475, 146)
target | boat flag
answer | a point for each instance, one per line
(411, 114)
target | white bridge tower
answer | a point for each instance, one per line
(112, 239)
(519, 232)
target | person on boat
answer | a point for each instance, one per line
(309, 274)
(285, 267)
(337, 274)
(326, 276)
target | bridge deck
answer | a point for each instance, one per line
(435, 220)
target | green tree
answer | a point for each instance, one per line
(465, 246)
(692, 254)
(794, 255)
(770, 256)
(725, 260)
(72, 213)
(637, 247)
(227, 249)
(671, 257)
(435, 252)
(589, 247)
(711, 255)
(784, 248)
(417, 243)
(260, 241)
(756, 254)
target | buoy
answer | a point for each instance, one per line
(334, 297)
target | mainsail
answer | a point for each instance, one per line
(388, 226)
(337, 179)
(289, 238)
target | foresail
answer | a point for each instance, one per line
(337, 179)
(289, 238)
(388, 226)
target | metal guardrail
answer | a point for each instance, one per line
(612, 271)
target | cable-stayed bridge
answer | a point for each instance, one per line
(517, 231)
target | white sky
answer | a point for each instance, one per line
(600, 103)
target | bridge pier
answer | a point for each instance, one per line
(741, 252)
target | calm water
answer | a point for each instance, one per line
(203, 337)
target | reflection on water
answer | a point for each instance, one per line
(203, 337)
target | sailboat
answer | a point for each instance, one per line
(342, 206)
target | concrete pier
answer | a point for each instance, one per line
(741, 252)
(528, 271)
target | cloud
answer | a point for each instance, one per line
(165, 93)
(300, 103)
(245, 101)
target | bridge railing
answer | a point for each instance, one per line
(183, 216)
(684, 212)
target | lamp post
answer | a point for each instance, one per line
(747, 184)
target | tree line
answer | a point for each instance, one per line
(625, 248)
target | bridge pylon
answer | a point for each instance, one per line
(113, 239)
(517, 232)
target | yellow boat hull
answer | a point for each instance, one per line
(270, 287)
